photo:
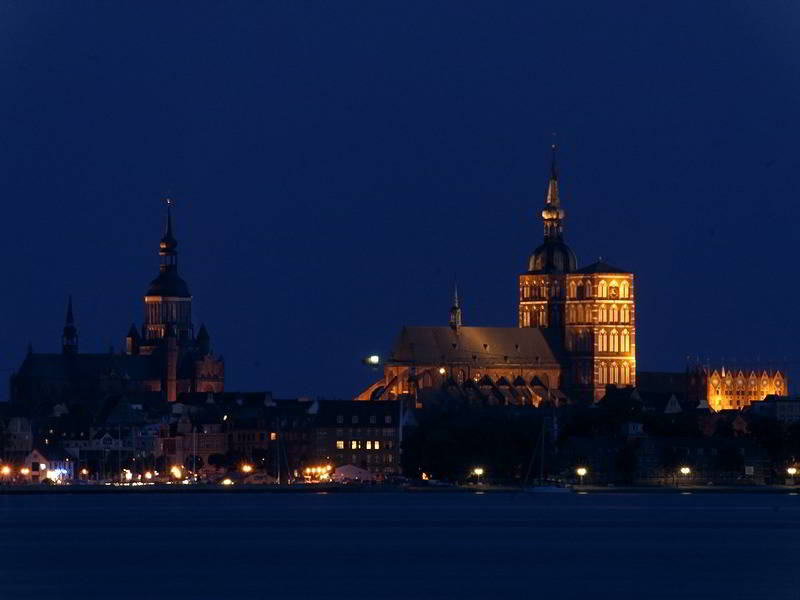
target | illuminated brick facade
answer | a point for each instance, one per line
(576, 333)
(725, 389)
(592, 309)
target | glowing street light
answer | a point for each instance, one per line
(148, 475)
(442, 370)
(6, 470)
(227, 481)
(791, 471)
(686, 471)
(84, 471)
(478, 473)
(373, 360)
(176, 472)
(24, 471)
(247, 468)
(581, 472)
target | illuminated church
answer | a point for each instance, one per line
(576, 334)
(165, 356)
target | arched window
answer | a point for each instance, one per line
(614, 313)
(587, 287)
(427, 381)
(623, 290)
(614, 341)
(542, 318)
(602, 373)
(602, 289)
(614, 374)
(602, 341)
(556, 289)
(603, 313)
(526, 319)
(626, 341)
(543, 291)
(623, 314)
(571, 314)
(573, 290)
(579, 314)
(588, 314)
(461, 376)
(626, 373)
(579, 293)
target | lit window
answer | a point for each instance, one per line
(273, 436)
(369, 445)
(340, 444)
(377, 445)
(354, 445)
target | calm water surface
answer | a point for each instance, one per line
(400, 546)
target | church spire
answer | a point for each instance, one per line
(168, 246)
(69, 338)
(455, 312)
(552, 213)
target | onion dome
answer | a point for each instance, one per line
(553, 256)
(168, 283)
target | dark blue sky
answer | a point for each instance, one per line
(337, 165)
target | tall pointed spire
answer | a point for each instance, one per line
(167, 247)
(70, 316)
(552, 213)
(69, 337)
(168, 232)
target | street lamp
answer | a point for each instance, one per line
(686, 471)
(581, 472)
(247, 468)
(478, 473)
(6, 470)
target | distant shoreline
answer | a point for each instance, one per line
(381, 489)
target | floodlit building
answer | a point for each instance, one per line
(575, 334)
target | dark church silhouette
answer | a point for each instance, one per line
(166, 356)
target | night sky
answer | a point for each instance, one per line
(336, 166)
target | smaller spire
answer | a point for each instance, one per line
(70, 316)
(69, 337)
(553, 170)
(455, 312)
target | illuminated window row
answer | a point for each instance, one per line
(357, 444)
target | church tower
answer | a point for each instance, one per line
(541, 288)
(167, 302)
(591, 310)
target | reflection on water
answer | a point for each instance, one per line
(399, 545)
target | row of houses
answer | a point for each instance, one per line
(141, 432)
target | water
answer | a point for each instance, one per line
(399, 545)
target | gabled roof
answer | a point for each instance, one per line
(330, 411)
(601, 267)
(475, 346)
